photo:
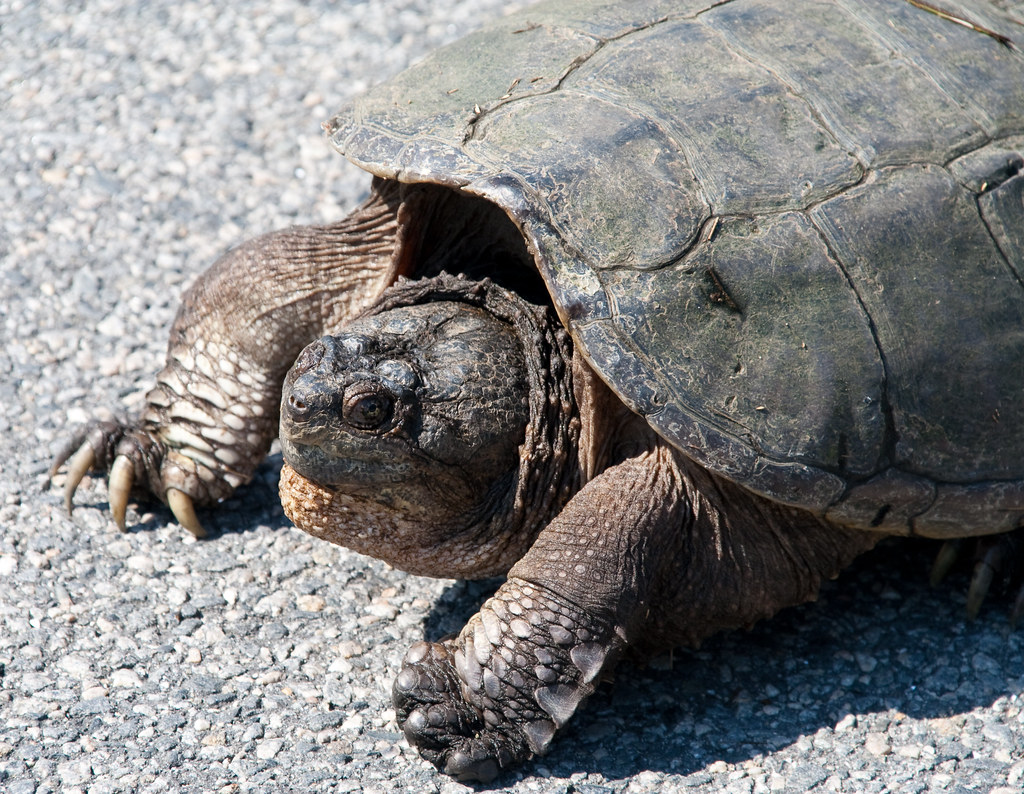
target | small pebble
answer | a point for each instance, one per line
(877, 744)
(268, 748)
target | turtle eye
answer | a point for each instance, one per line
(368, 410)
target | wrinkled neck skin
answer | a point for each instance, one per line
(479, 450)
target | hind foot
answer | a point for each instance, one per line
(997, 560)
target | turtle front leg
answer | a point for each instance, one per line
(652, 553)
(496, 695)
(210, 418)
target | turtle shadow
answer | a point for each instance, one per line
(879, 641)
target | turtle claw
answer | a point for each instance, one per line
(981, 581)
(446, 729)
(1018, 609)
(79, 465)
(998, 562)
(997, 557)
(119, 488)
(184, 511)
(944, 561)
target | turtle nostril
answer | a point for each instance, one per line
(299, 409)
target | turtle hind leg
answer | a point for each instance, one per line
(996, 559)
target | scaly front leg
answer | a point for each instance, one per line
(654, 552)
(211, 417)
(496, 695)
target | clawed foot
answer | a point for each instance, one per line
(447, 730)
(996, 558)
(137, 461)
(496, 695)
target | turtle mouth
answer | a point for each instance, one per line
(315, 463)
(327, 467)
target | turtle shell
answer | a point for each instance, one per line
(790, 233)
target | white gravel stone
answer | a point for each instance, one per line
(74, 773)
(877, 744)
(125, 678)
(76, 665)
(176, 596)
(846, 723)
(268, 748)
(311, 603)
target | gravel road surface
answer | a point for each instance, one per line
(140, 141)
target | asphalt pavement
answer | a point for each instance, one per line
(141, 140)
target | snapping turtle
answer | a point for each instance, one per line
(740, 293)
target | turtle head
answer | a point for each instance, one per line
(427, 398)
(402, 435)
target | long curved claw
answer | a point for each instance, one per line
(944, 561)
(184, 511)
(67, 450)
(990, 562)
(119, 488)
(1018, 609)
(136, 461)
(78, 466)
(981, 581)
